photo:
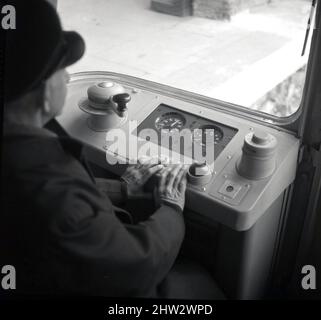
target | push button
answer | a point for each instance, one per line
(230, 189)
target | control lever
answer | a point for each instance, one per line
(199, 173)
(198, 169)
(121, 100)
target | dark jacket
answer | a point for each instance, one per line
(61, 232)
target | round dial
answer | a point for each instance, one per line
(211, 130)
(170, 121)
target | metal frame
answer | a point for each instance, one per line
(300, 222)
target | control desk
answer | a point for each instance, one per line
(253, 163)
(235, 199)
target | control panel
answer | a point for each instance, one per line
(204, 132)
(121, 118)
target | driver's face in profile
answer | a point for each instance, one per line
(56, 91)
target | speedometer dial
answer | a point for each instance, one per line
(170, 121)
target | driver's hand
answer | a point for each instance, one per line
(172, 186)
(136, 176)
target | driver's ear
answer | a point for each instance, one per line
(46, 94)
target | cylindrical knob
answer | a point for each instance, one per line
(258, 157)
(199, 173)
(199, 169)
(99, 94)
(260, 137)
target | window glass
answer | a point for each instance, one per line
(247, 52)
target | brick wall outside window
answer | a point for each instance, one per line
(222, 9)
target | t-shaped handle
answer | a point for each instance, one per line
(121, 100)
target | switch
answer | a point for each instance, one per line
(230, 189)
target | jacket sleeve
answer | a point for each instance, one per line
(112, 188)
(90, 250)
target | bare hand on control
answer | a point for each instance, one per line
(172, 186)
(136, 176)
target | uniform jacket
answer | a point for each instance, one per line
(61, 232)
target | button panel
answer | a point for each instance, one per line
(231, 189)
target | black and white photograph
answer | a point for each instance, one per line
(160, 151)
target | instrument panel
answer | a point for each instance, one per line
(213, 135)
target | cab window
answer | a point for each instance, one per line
(247, 54)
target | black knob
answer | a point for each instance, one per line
(122, 99)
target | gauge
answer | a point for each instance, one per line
(211, 130)
(170, 121)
